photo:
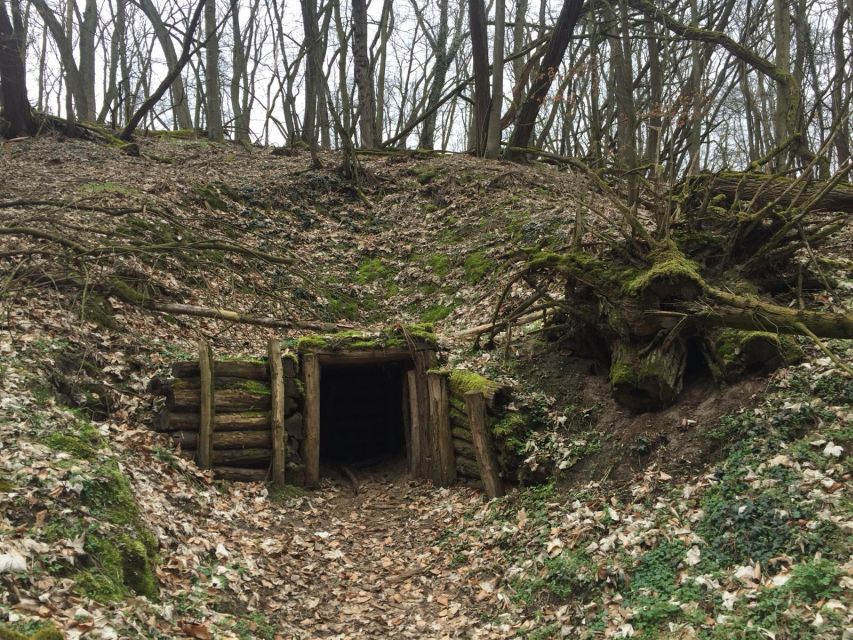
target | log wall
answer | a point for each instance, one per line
(242, 421)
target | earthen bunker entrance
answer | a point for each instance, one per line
(363, 419)
(340, 398)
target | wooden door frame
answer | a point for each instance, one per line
(312, 370)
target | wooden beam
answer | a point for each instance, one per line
(415, 428)
(407, 419)
(206, 405)
(279, 437)
(475, 404)
(311, 372)
(444, 470)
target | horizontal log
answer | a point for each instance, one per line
(295, 426)
(248, 421)
(463, 448)
(221, 382)
(227, 440)
(225, 400)
(227, 368)
(241, 474)
(462, 433)
(766, 189)
(236, 457)
(458, 416)
(467, 467)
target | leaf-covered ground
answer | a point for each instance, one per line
(106, 533)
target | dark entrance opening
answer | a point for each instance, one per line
(361, 413)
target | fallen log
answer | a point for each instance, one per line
(227, 440)
(735, 354)
(248, 421)
(765, 189)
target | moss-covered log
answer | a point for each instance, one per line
(237, 457)
(765, 189)
(463, 448)
(734, 354)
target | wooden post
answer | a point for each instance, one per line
(311, 371)
(407, 419)
(444, 468)
(206, 405)
(475, 405)
(415, 453)
(279, 437)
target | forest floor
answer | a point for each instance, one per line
(736, 524)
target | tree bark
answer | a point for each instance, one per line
(480, 55)
(213, 93)
(525, 121)
(363, 76)
(13, 75)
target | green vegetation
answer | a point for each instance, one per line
(476, 266)
(436, 313)
(561, 579)
(463, 381)
(373, 270)
(83, 442)
(43, 631)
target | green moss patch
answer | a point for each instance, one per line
(391, 338)
(669, 267)
(476, 266)
(373, 270)
(462, 382)
(43, 631)
(122, 548)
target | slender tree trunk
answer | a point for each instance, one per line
(363, 76)
(87, 57)
(493, 137)
(238, 70)
(313, 76)
(480, 55)
(525, 120)
(211, 74)
(180, 104)
(840, 102)
(782, 38)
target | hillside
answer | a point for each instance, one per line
(728, 514)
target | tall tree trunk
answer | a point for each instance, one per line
(493, 137)
(480, 55)
(87, 56)
(525, 120)
(694, 120)
(385, 29)
(211, 74)
(180, 104)
(13, 75)
(313, 76)
(363, 76)
(238, 70)
(840, 101)
(782, 38)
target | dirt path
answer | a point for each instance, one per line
(374, 564)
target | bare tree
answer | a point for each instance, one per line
(17, 116)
